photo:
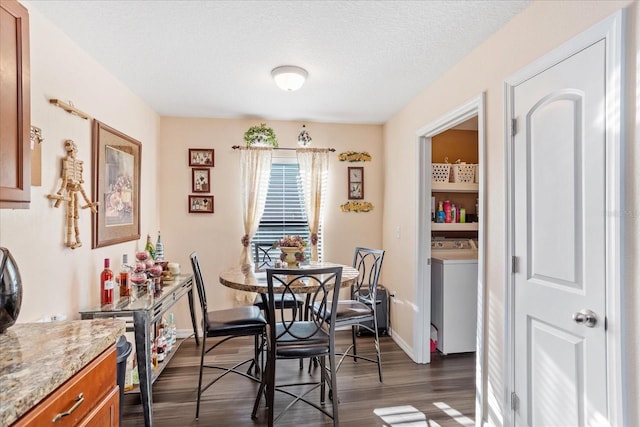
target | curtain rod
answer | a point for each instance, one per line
(235, 147)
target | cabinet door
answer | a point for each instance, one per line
(15, 107)
(106, 413)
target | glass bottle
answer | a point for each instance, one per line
(161, 344)
(149, 248)
(159, 249)
(172, 329)
(154, 354)
(125, 275)
(107, 284)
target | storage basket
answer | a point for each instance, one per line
(477, 178)
(440, 172)
(463, 173)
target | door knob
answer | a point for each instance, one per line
(586, 317)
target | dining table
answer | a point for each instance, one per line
(245, 278)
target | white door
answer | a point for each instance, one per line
(559, 223)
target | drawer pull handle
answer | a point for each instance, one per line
(79, 401)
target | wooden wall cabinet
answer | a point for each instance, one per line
(15, 107)
(98, 406)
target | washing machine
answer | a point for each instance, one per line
(454, 294)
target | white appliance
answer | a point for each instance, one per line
(454, 294)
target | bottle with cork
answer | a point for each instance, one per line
(125, 274)
(107, 284)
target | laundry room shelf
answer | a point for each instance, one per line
(454, 187)
(457, 226)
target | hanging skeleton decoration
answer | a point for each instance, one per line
(72, 183)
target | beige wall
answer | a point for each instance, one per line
(216, 237)
(537, 30)
(56, 279)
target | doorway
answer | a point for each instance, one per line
(474, 108)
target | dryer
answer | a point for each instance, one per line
(454, 294)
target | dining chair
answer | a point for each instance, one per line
(296, 303)
(360, 310)
(227, 324)
(294, 338)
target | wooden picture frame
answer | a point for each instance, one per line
(116, 160)
(200, 180)
(203, 157)
(200, 204)
(355, 183)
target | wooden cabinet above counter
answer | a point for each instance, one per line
(15, 107)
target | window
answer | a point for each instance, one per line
(284, 211)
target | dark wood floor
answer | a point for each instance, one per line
(439, 394)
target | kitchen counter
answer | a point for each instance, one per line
(36, 358)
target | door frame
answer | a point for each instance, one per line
(610, 30)
(422, 317)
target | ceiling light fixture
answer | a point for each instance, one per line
(289, 77)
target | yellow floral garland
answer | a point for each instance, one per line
(356, 207)
(354, 156)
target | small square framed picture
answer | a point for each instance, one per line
(201, 204)
(201, 157)
(200, 180)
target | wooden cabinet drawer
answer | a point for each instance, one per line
(93, 383)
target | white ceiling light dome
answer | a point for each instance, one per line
(289, 77)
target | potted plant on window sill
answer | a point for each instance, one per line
(261, 136)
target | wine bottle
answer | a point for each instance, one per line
(159, 249)
(172, 328)
(107, 284)
(125, 274)
(161, 345)
(149, 248)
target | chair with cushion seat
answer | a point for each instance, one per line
(227, 324)
(360, 310)
(294, 338)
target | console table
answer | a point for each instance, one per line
(146, 309)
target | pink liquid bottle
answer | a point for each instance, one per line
(447, 211)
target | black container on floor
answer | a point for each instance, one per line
(382, 314)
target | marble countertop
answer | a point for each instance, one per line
(36, 358)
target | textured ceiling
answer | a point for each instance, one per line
(366, 59)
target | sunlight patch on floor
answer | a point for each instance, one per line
(403, 416)
(456, 415)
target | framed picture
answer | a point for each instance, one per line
(201, 157)
(201, 204)
(356, 183)
(200, 179)
(116, 186)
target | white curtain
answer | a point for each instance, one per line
(314, 171)
(255, 170)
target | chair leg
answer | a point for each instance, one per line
(204, 346)
(353, 342)
(334, 388)
(323, 379)
(300, 316)
(377, 344)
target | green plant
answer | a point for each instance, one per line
(261, 135)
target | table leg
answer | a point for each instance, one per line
(193, 314)
(145, 370)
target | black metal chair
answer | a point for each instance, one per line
(360, 311)
(263, 258)
(227, 324)
(294, 338)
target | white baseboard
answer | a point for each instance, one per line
(402, 344)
